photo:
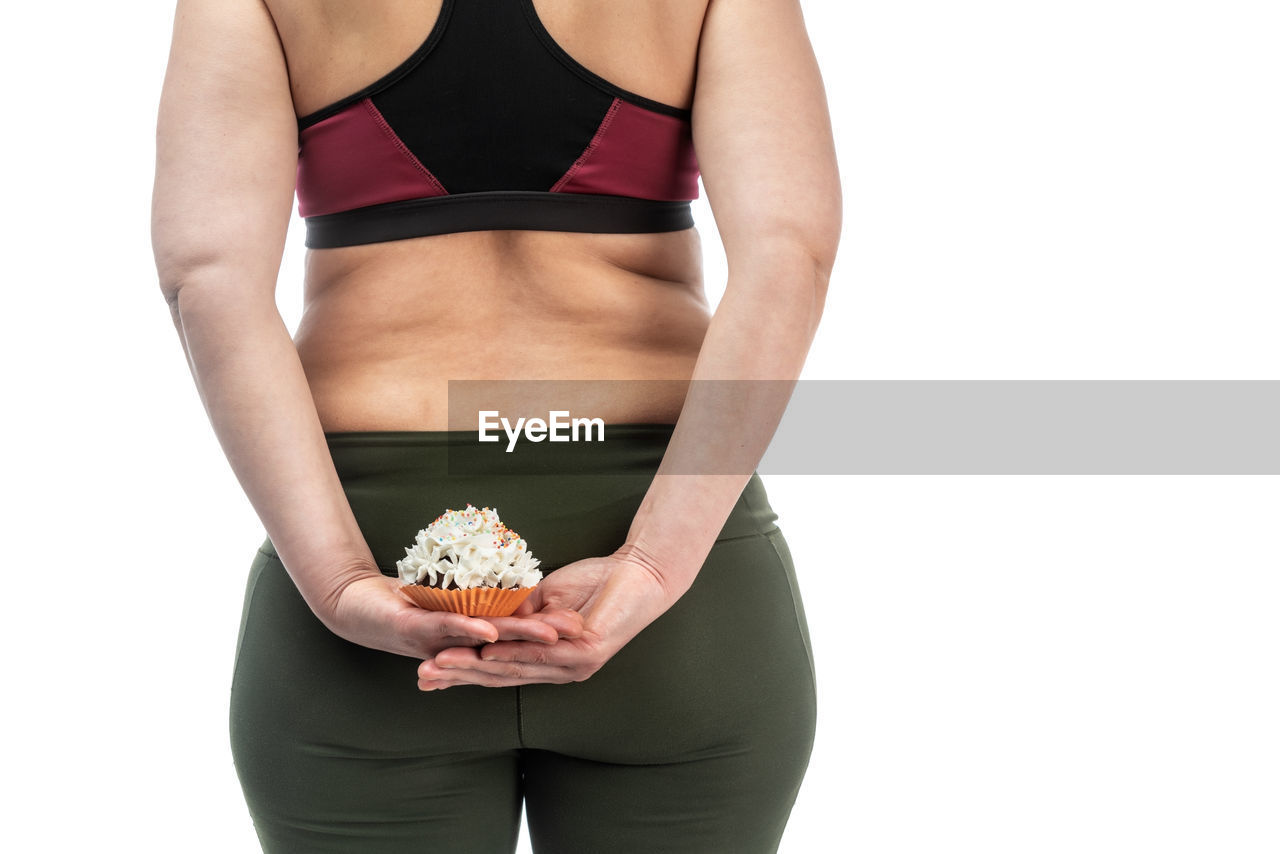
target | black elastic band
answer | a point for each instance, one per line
(535, 210)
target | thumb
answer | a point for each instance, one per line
(446, 624)
(532, 603)
(546, 606)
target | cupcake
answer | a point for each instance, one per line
(468, 562)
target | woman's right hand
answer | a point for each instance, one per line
(368, 611)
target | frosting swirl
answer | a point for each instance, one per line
(469, 548)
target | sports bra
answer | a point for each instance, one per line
(490, 124)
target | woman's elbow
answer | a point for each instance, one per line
(786, 260)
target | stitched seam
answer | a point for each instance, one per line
(390, 134)
(745, 536)
(251, 595)
(591, 146)
(520, 717)
(565, 198)
(795, 597)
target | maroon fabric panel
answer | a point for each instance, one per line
(353, 159)
(636, 152)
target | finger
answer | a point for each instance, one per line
(531, 604)
(560, 623)
(568, 654)
(462, 659)
(493, 674)
(445, 624)
(438, 684)
(479, 681)
(567, 623)
(472, 658)
(524, 628)
(454, 658)
(435, 680)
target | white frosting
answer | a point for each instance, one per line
(469, 548)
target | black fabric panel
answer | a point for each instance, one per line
(490, 108)
(548, 40)
(533, 210)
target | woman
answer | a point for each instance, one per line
(498, 190)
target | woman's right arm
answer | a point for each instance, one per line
(226, 159)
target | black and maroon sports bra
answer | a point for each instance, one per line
(489, 124)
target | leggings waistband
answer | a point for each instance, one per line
(568, 500)
(626, 449)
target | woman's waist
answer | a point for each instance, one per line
(382, 336)
(569, 500)
(453, 389)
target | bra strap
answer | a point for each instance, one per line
(535, 210)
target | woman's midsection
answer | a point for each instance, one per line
(385, 327)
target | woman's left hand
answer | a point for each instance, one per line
(617, 596)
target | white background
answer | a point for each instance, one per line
(1007, 664)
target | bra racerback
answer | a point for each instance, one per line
(490, 124)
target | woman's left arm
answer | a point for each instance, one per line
(765, 149)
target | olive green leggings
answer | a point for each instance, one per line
(693, 738)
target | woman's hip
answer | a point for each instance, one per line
(730, 659)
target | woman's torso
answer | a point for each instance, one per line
(385, 326)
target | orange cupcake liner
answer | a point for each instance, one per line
(476, 602)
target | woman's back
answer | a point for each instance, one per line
(399, 319)
(511, 204)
